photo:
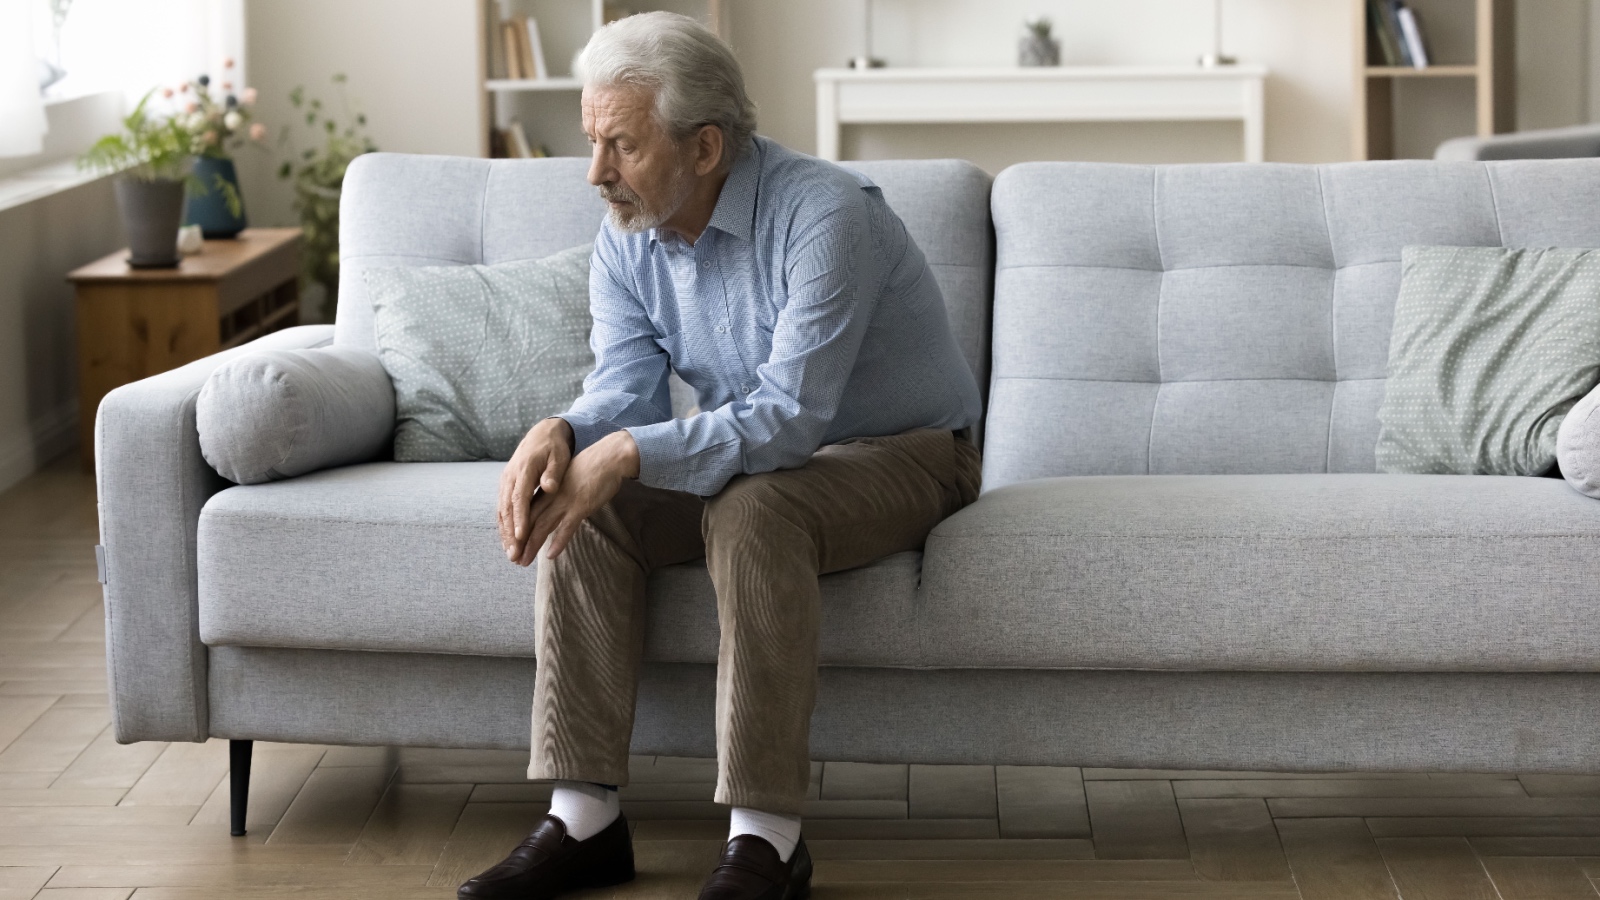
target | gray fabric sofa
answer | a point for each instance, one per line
(1183, 556)
(1544, 143)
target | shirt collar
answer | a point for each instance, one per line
(735, 212)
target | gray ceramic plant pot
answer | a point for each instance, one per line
(1033, 50)
(151, 211)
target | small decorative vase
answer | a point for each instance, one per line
(1033, 50)
(208, 205)
(151, 211)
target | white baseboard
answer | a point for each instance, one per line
(47, 437)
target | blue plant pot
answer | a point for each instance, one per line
(209, 209)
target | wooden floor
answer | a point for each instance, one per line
(84, 817)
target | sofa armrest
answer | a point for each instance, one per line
(152, 482)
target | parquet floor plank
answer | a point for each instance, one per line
(333, 806)
(1335, 859)
(108, 764)
(1233, 840)
(1436, 868)
(53, 740)
(1135, 820)
(183, 775)
(1553, 878)
(1041, 802)
(951, 792)
(410, 825)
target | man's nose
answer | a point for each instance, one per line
(600, 170)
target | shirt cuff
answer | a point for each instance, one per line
(663, 454)
(586, 429)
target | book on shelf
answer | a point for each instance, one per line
(512, 49)
(1397, 31)
(1411, 32)
(519, 54)
(517, 146)
(1387, 40)
(536, 66)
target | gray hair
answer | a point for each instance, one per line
(695, 77)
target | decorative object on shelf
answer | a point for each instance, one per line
(191, 240)
(1037, 47)
(317, 173)
(1216, 57)
(153, 154)
(866, 60)
(214, 202)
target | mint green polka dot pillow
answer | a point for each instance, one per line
(478, 354)
(1490, 349)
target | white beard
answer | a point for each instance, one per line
(643, 216)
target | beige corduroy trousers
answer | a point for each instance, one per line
(765, 538)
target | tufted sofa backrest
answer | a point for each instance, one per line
(1228, 318)
(408, 210)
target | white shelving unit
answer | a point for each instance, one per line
(548, 107)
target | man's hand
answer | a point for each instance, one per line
(592, 479)
(540, 462)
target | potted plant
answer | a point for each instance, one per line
(317, 174)
(153, 156)
(214, 202)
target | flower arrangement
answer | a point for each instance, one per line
(216, 123)
(197, 123)
(317, 174)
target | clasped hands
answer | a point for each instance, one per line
(570, 488)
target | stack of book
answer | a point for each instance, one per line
(512, 142)
(1397, 31)
(518, 53)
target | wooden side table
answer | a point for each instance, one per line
(134, 323)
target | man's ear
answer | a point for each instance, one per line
(707, 150)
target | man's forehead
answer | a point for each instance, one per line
(617, 105)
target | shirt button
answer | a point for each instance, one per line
(705, 264)
(721, 329)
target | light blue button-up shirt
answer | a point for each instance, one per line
(803, 315)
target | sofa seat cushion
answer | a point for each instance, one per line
(405, 556)
(1268, 572)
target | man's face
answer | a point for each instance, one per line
(641, 172)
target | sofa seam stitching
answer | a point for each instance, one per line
(1333, 319)
(1494, 202)
(1161, 289)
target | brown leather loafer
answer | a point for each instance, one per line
(750, 870)
(548, 863)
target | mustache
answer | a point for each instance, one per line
(618, 192)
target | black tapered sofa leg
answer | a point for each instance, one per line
(238, 783)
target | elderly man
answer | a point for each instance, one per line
(833, 432)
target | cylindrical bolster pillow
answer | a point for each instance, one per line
(1578, 445)
(281, 413)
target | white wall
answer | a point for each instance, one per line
(40, 242)
(412, 68)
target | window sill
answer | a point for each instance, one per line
(24, 187)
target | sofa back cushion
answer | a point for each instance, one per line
(402, 209)
(1228, 318)
(408, 210)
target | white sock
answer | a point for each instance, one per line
(782, 832)
(586, 809)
